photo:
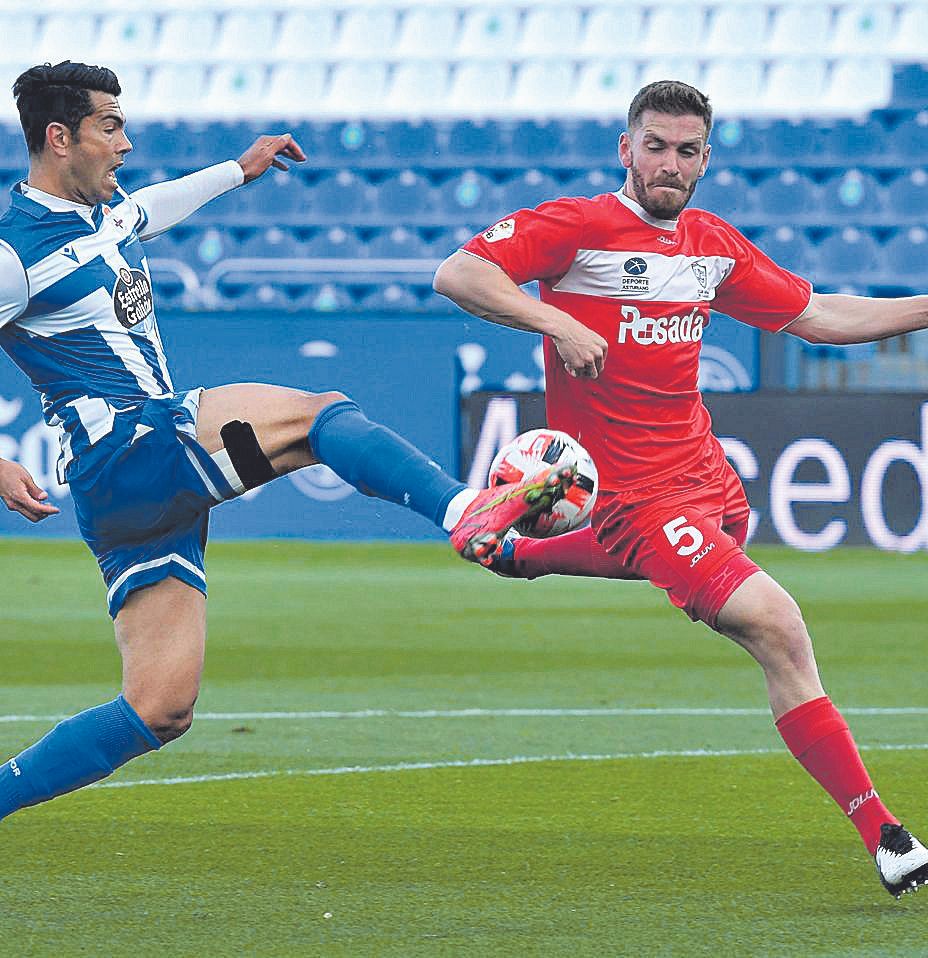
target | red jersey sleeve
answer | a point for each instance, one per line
(533, 244)
(757, 291)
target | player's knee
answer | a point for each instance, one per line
(773, 631)
(171, 723)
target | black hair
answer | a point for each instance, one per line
(58, 94)
(673, 97)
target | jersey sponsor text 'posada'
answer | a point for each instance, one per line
(665, 329)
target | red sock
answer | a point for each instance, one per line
(574, 553)
(817, 735)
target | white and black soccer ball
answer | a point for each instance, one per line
(532, 451)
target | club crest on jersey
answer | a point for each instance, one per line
(646, 331)
(702, 277)
(504, 229)
(132, 299)
(634, 280)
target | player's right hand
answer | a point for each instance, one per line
(19, 493)
(583, 351)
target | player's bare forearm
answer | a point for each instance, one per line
(483, 289)
(841, 320)
(266, 152)
(19, 493)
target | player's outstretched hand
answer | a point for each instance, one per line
(20, 493)
(582, 349)
(266, 152)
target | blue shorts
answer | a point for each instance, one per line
(142, 496)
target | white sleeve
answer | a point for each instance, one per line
(14, 285)
(166, 204)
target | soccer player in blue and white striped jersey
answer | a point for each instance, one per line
(144, 462)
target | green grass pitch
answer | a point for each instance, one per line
(382, 766)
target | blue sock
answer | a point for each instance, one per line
(80, 750)
(378, 462)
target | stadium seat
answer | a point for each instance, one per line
(605, 88)
(850, 255)
(674, 29)
(403, 195)
(795, 86)
(727, 194)
(858, 84)
(734, 85)
(799, 28)
(738, 142)
(397, 243)
(406, 141)
(488, 32)
(480, 88)
(687, 69)
(338, 195)
(294, 89)
(537, 142)
(128, 36)
(275, 198)
(908, 38)
(543, 87)
(390, 298)
(907, 142)
(356, 88)
(790, 248)
(366, 32)
(447, 240)
(335, 243)
(243, 33)
(854, 141)
(741, 27)
(907, 197)
(306, 35)
(427, 31)
(66, 36)
(202, 249)
(236, 90)
(418, 88)
(907, 257)
(862, 29)
(271, 243)
(469, 196)
(185, 36)
(549, 30)
(612, 30)
(855, 196)
(789, 197)
(793, 142)
(528, 189)
(475, 140)
(594, 142)
(257, 296)
(324, 298)
(593, 183)
(170, 84)
(354, 143)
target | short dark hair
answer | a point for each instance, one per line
(58, 94)
(673, 97)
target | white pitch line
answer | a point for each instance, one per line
(485, 713)
(482, 763)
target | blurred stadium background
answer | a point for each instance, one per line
(426, 120)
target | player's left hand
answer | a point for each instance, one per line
(266, 152)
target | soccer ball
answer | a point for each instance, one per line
(531, 452)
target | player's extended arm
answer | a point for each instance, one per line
(483, 289)
(19, 493)
(171, 202)
(840, 320)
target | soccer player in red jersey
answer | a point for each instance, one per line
(627, 280)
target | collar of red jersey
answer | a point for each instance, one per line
(641, 213)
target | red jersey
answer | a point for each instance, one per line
(646, 286)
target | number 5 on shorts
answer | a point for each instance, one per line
(677, 529)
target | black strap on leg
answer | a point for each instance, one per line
(246, 455)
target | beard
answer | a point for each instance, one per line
(666, 207)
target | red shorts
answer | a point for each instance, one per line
(684, 534)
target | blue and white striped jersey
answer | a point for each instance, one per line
(84, 329)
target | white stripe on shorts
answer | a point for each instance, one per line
(143, 566)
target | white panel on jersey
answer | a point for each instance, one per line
(488, 31)
(859, 84)
(605, 87)
(646, 277)
(295, 89)
(96, 416)
(419, 88)
(549, 31)
(800, 28)
(366, 33)
(129, 354)
(245, 35)
(306, 34)
(428, 31)
(544, 87)
(612, 30)
(864, 29)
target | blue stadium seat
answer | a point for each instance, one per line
(403, 195)
(854, 196)
(907, 142)
(397, 243)
(738, 142)
(257, 296)
(907, 197)
(272, 243)
(907, 257)
(789, 197)
(335, 243)
(854, 142)
(12, 147)
(390, 298)
(447, 240)
(469, 140)
(339, 195)
(324, 298)
(404, 141)
(594, 142)
(791, 248)
(346, 143)
(794, 142)
(469, 196)
(850, 256)
(536, 142)
(528, 189)
(202, 249)
(181, 145)
(727, 194)
(593, 183)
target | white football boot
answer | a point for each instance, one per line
(901, 860)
